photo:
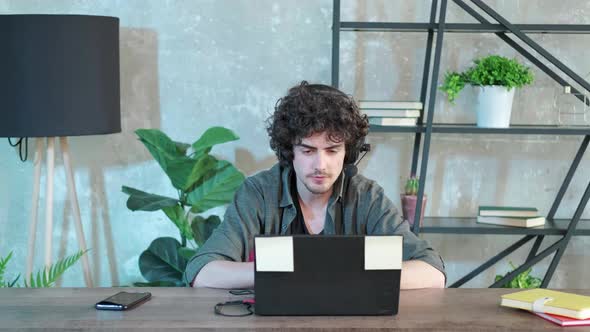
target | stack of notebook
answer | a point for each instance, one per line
(510, 216)
(391, 113)
(564, 309)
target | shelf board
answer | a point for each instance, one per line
(396, 129)
(464, 27)
(458, 225)
(462, 128)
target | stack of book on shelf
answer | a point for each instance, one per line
(564, 309)
(391, 113)
(510, 216)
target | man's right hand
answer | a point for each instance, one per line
(227, 275)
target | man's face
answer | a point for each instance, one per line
(318, 162)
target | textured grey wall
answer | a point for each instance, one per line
(189, 65)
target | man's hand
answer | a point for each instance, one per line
(229, 275)
(224, 274)
(419, 274)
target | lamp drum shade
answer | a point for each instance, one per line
(59, 75)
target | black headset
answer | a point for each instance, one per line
(352, 156)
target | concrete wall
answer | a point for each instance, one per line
(189, 65)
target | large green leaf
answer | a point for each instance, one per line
(140, 200)
(179, 171)
(187, 253)
(177, 215)
(184, 172)
(181, 148)
(217, 190)
(160, 146)
(162, 262)
(202, 228)
(213, 136)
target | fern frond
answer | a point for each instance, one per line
(48, 276)
(11, 284)
(3, 263)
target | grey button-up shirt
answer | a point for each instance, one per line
(263, 205)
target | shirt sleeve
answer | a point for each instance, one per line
(230, 240)
(384, 218)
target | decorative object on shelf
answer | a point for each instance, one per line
(495, 78)
(60, 77)
(202, 182)
(46, 277)
(572, 108)
(523, 280)
(409, 200)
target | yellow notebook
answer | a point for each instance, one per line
(549, 301)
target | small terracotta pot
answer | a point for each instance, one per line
(409, 208)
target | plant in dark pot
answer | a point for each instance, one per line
(409, 199)
(495, 79)
(201, 181)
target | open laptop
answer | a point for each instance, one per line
(327, 275)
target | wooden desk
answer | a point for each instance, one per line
(192, 309)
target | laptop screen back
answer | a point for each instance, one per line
(327, 275)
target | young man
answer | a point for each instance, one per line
(316, 132)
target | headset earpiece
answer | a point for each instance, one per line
(352, 156)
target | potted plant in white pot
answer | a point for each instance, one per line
(409, 201)
(494, 78)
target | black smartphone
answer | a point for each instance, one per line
(123, 301)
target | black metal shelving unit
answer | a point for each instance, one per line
(423, 131)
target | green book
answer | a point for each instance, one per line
(525, 222)
(507, 211)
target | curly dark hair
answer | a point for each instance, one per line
(308, 109)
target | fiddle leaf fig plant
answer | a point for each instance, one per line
(202, 183)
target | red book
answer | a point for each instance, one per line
(562, 320)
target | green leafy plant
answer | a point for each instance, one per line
(411, 187)
(201, 181)
(523, 280)
(3, 263)
(490, 70)
(43, 278)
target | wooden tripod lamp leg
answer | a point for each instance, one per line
(34, 205)
(49, 200)
(75, 208)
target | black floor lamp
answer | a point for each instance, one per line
(59, 78)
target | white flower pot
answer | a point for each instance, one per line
(494, 105)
